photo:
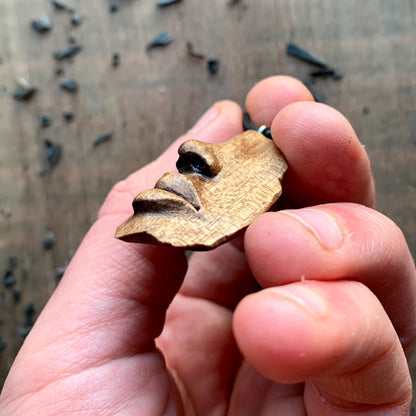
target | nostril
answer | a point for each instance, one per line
(197, 157)
(192, 163)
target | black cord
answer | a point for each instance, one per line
(248, 125)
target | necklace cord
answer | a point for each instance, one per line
(248, 125)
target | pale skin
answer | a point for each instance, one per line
(133, 330)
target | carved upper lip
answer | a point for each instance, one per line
(181, 186)
(173, 192)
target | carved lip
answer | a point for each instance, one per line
(173, 192)
(160, 201)
(179, 185)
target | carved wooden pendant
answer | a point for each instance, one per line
(219, 190)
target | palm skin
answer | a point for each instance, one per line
(136, 330)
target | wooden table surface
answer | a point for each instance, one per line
(152, 97)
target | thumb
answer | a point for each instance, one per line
(314, 323)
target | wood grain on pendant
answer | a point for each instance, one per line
(218, 191)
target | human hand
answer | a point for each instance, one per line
(325, 335)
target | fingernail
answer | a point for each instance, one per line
(305, 297)
(321, 224)
(209, 116)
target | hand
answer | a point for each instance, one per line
(326, 335)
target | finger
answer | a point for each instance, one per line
(334, 335)
(269, 96)
(334, 242)
(327, 163)
(222, 275)
(112, 300)
(255, 394)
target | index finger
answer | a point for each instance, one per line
(327, 162)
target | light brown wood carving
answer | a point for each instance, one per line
(218, 191)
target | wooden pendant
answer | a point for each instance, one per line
(220, 189)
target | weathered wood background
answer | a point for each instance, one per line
(153, 97)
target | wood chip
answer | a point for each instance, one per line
(69, 85)
(213, 66)
(304, 55)
(42, 25)
(102, 138)
(161, 40)
(68, 53)
(25, 91)
(163, 3)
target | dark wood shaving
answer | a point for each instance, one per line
(304, 55)
(69, 85)
(59, 273)
(24, 94)
(326, 73)
(59, 5)
(337, 76)
(67, 53)
(3, 343)
(29, 315)
(213, 65)
(8, 279)
(45, 121)
(52, 154)
(114, 8)
(42, 25)
(76, 20)
(191, 51)
(102, 138)
(48, 240)
(115, 60)
(316, 96)
(68, 116)
(25, 91)
(162, 39)
(163, 3)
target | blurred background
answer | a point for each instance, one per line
(64, 143)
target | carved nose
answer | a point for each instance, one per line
(198, 157)
(179, 185)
